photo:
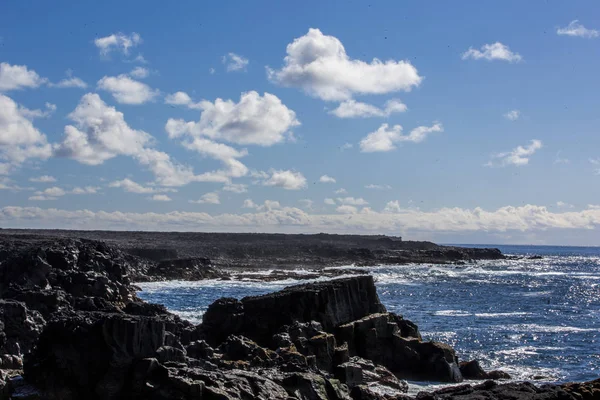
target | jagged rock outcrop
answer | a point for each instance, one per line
(330, 303)
(185, 269)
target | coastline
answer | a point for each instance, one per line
(72, 298)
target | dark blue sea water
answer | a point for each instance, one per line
(526, 317)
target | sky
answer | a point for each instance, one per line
(455, 122)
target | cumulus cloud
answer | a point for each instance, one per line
(385, 139)
(306, 203)
(101, 133)
(378, 187)
(133, 187)
(512, 115)
(248, 203)
(139, 72)
(286, 179)
(37, 113)
(208, 198)
(341, 191)
(346, 209)
(181, 99)
(160, 197)
(85, 190)
(352, 201)
(326, 179)
(392, 207)
(577, 30)
(126, 90)
(16, 77)
(329, 201)
(355, 109)
(119, 42)
(19, 139)
(235, 62)
(72, 82)
(235, 188)
(490, 52)
(48, 194)
(43, 179)
(259, 120)
(319, 65)
(519, 156)
(562, 204)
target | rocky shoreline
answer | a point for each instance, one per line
(72, 327)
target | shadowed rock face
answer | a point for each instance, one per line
(330, 303)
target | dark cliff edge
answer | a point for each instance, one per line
(72, 327)
(260, 250)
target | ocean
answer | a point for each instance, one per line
(533, 318)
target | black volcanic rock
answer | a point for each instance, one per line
(185, 269)
(330, 303)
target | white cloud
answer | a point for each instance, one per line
(319, 65)
(326, 179)
(345, 209)
(211, 71)
(139, 72)
(306, 203)
(248, 203)
(126, 90)
(54, 191)
(133, 187)
(37, 113)
(72, 82)
(562, 204)
(160, 197)
(519, 156)
(289, 180)
(560, 160)
(576, 29)
(526, 218)
(352, 201)
(85, 190)
(330, 202)
(392, 207)
(235, 62)
(19, 139)
(595, 162)
(181, 99)
(490, 52)
(118, 42)
(254, 119)
(101, 133)
(355, 109)
(235, 188)
(38, 197)
(346, 146)
(43, 179)
(222, 152)
(512, 115)
(385, 139)
(16, 77)
(378, 187)
(341, 191)
(208, 198)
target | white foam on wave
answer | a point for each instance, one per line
(502, 314)
(452, 313)
(194, 316)
(547, 328)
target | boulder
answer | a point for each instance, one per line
(19, 329)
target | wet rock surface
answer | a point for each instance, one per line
(71, 327)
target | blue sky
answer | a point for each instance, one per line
(111, 118)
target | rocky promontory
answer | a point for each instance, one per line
(72, 327)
